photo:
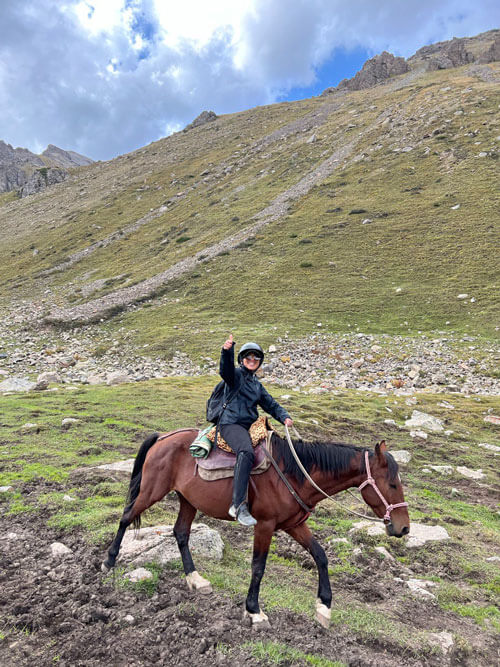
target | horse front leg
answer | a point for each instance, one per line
(263, 533)
(302, 534)
(182, 530)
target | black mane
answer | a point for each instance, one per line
(333, 457)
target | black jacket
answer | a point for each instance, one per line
(242, 409)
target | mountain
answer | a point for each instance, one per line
(20, 169)
(372, 209)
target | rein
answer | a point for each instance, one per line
(369, 480)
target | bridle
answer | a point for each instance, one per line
(369, 481)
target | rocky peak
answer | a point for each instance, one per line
(204, 117)
(62, 158)
(376, 70)
(26, 172)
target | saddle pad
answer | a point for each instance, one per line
(211, 473)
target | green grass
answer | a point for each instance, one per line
(275, 653)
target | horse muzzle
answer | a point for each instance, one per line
(391, 531)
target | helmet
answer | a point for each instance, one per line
(247, 348)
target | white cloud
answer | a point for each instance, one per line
(106, 76)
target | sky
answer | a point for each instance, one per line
(104, 77)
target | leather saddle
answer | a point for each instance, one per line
(220, 464)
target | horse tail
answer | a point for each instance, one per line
(135, 478)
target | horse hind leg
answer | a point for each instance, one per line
(182, 530)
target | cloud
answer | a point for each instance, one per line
(104, 77)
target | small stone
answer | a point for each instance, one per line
(492, 448)
(419, 434)
(442, 639)
(272, 348)
(140, 574)
(443, 470)
(401, 456)
(60, 550)
(30, 428)
(68, 422)
(462, 296)
(492, 419)
(68, 498)
(383, 551)
(129, 619)
(6, 489)
(456, 207)
(493, 559)
(423, 420)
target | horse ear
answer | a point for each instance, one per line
(380, 450)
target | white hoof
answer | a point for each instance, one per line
(256, 618)
(197, 583)
(323, 614)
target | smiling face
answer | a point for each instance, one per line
(251, 362)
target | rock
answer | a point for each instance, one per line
(118, 377)
(30, 428)
(419, 434)
(272, 348)
(401, 456)
(375, 71)
(443, 470)
(492, 54)
(425, 421)
(129, 619)
(471, 474)
(158, 544)
(492, 419)
(383, 551)
(41, 386)
(419, 588)
(202, 119)
(68, 498)
(41, 179)
(49, 376)
(17, 384)
(451, 54)
(68, 422)
(60, 550)
(125, 466)
(442, 639)
(6, 489)
(139, 574)
(419, 533)
(462, 296)
(493, 559)
(491, 448)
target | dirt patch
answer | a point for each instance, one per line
(66, 611)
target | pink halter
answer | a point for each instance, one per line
(369, 480)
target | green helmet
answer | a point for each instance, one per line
(248, 348)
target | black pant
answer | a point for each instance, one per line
(238, 439)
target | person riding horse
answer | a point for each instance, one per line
(240, 414)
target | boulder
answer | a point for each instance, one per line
(419, 533)
(158, 544)
(471, 474)
(49, 376)
(17, 384)
(117, 377)
(139, 574)
(202, 119)
(41, 179)
(60, 550)
(375, 71)
(424, 421)
(401, 456)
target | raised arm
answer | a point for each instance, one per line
(226, 368)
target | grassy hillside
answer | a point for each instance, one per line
(383, 240)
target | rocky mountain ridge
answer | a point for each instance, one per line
(27, 172)
(482, 49)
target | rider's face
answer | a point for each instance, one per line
(251, 361)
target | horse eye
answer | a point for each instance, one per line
(393, 486)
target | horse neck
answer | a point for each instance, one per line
(332, 484)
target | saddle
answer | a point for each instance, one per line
(220, 464)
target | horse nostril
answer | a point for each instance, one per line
(405, 530)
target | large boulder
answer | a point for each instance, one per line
(42, 178)
(454, 54)
(492, 54)
(202, 119)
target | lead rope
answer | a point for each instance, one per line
(308, 477)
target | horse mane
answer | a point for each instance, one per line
(332, 457)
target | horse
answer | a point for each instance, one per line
(164, 463)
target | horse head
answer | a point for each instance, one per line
(383, 491)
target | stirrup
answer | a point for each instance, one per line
(242, 514)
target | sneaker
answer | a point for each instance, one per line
(242, 515)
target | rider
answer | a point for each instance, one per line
(240, 414)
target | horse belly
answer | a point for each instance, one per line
(211, 498)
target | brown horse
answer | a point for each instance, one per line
(164, 464)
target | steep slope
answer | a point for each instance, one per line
(373, 209)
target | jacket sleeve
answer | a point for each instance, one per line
(226, 368)
(272, 407)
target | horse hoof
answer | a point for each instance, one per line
(323, 614)
(105, 567)
(257, 619)
(198, 583)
